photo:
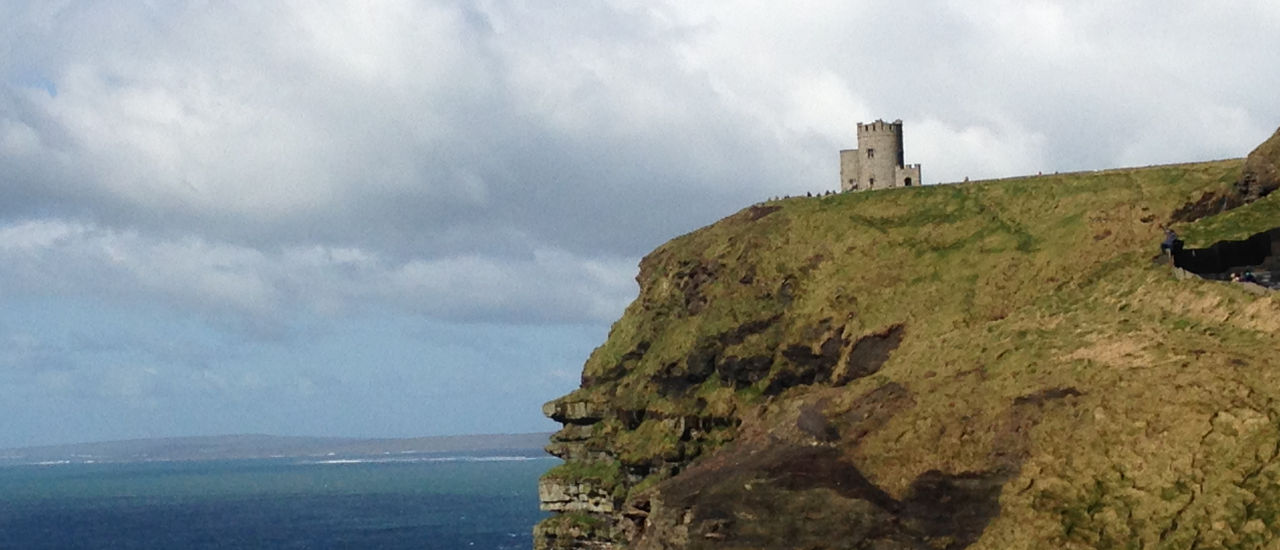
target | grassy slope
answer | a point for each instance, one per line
(1004, 289)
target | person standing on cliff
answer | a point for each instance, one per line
(1171, 242)
(1171, 245)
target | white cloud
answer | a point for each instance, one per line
(264, 166)
(36, 235)
(451, 154)
(52, 257)
(977, 152)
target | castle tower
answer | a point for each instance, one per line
(877, 163)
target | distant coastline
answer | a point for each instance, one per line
(251, 446)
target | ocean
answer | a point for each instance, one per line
(422, 503)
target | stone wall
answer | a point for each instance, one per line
(880, 147)
(907, 176)
(849, 170)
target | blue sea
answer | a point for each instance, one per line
(441, 502)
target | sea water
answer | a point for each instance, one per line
(436, 502)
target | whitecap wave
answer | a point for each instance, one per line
(421, 459)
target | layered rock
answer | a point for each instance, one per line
(566, 495)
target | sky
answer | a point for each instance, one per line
(395, 219)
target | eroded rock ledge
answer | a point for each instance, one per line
(624, 456)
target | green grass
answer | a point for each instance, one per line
(1234, 225)
(605, 474)
(933, 258)
(1004, 289)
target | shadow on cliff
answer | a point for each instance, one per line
(767, 493)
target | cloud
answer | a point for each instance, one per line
(210, 154)
(260, 170)
(358, 124)
(999, 148)
(62, 258)
(23, 354)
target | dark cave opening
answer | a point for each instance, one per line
(1258, 255)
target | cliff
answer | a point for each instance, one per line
(994, 365)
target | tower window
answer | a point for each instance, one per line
(871, 153)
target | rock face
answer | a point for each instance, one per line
(1261, 173)
(992, 366)
(1259, 176)
(567, 496)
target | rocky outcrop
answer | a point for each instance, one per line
(574, 411)
(1259, 177)
(1261, 173)
(558, 495)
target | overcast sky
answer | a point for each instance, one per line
(417, 218)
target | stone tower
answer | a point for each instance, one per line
(877, 162)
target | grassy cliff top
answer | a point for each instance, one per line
(1018, 329)
(970, 271)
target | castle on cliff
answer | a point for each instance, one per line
(877, 162)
